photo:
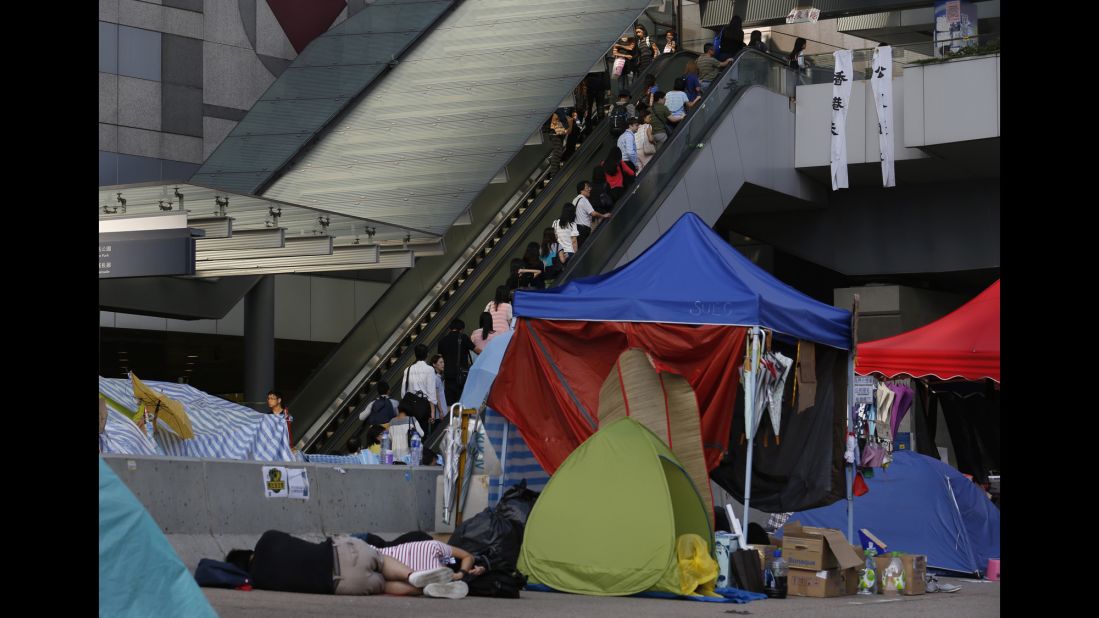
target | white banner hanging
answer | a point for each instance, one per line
(882, 82)
(841, 99)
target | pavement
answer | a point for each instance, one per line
(976, 599)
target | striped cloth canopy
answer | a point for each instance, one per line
(223, 429)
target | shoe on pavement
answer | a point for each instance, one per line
(949, 588)
(932, 584)
(449, 590)
(422, 579)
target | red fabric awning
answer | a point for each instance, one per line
(962, 344)
(550, 378)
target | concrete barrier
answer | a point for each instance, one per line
(206, 506)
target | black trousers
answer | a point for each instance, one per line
(585, 231)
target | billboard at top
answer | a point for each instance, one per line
(955, 26)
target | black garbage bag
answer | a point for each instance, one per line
(516, 503)
(494, 537)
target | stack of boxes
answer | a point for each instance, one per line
(823, 564)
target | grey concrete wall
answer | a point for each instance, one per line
(951, 102)
(814, 122)
(919, 228)
(306, 309)
(887, 310)
(207, 507)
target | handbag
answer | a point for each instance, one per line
(415, 404)
(647, 147)
(619, 65)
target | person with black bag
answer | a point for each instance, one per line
(455, 347)
(418, 388)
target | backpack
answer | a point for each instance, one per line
(381, 411)
(497, 583)
(619, 116)
(217, 574)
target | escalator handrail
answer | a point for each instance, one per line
(435, 328)
(627, 228)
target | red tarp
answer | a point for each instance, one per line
(550, 378)
(963, 344)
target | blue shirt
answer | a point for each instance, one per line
(628, 147)
(675, 101)
(692, 83)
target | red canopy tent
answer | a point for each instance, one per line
(963, 344)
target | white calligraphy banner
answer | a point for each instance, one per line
(841, 100)
(882, 82)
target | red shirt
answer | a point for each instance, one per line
(615, 181)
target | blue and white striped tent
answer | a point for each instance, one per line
(518, 464)
(223, 429)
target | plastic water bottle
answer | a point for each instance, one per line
(417, 450)
(387, 448)
(892, 576)
(868, 576)
(775, 577)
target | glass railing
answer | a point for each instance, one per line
(820, 68)
(658, 178)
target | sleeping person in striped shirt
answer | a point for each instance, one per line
(427, 555)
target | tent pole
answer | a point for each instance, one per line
(749, 415)
(850, 468)
(503, 460)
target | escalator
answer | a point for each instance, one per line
(705, 162)
(345, 382)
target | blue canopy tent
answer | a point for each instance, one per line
(690, 275)
(921, 505)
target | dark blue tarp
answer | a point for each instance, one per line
(922, 506)
(690, 275)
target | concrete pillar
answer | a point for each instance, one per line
(259, 341)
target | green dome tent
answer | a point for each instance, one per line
(608, 520)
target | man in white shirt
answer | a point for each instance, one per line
(628, 146)
(585, 211)
(420, 377)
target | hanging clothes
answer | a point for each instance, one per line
(782, 366)
(806, 376)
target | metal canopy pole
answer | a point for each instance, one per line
(749, 416)
(850, 468)
(503, 460)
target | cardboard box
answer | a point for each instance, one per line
(827, 583)
(766, 552)
(817, 549)
(915, 569)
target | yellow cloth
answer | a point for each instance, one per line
(697, 568)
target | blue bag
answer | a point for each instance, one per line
(217, 574)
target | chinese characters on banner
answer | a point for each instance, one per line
(882, 82)
(841, 99)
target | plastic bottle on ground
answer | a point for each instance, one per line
(868, 576)
(775, 576)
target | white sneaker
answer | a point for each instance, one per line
(449, 590)
(422, 579)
